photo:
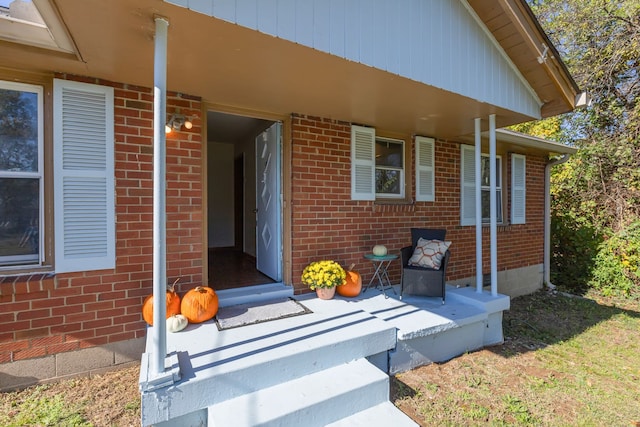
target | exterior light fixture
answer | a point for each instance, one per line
(176, 121)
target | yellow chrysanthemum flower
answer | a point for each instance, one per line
(323, 274)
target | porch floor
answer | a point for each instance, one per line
(395, 335)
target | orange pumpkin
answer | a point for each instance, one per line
(352, 285)
(199, 304)
(173, 304)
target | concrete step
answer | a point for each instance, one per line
(224, 365)
(313, 400)
(383, 414)
(250, 294)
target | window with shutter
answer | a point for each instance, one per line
(425, 169)
(518, 189)
(377, 166)
(83, 176)
(467, 179)
(363, 163)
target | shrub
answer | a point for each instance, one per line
(617, 264)
(573, 249)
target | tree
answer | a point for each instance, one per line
(599, 188)
(600, 43)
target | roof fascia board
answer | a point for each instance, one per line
(504, 54)
(524, 140)
(541, 46)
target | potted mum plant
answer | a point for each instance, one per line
(323, 277)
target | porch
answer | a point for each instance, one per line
(281, 372)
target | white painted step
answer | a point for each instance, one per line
(250, 294)
(384, 414)
(223, 365)
(313, 400)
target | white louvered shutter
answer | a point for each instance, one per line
(83, 176)
(363, 163)
(468, 185)
(425, 169)
(518, 189)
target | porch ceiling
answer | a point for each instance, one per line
(229, 65)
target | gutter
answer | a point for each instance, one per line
(547, 218)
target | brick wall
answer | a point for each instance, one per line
(328, 224)
(45, 314)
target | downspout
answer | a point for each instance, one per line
(547, 218)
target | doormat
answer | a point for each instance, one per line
(235, 316)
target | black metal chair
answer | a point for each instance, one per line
(421, 280)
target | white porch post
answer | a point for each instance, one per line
(478, 194)
(156, 369)
(493, 223)
(159, 198)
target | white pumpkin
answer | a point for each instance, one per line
(379, 250)
(176, 323)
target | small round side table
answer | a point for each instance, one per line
(381, 273)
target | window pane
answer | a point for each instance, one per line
(18, 131)
(389, 153)
(19, 218)
(486, 203)
(484, 179)
(388, 181)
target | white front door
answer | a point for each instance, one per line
(269, 228)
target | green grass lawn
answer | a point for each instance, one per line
(566, 361)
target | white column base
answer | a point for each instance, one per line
(150, 381)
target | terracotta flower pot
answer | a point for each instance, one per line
(325, 293)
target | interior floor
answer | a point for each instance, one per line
(231, 268)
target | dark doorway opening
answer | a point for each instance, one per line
(231, 200)
(232, 268)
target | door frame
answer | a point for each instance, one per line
(285, 178)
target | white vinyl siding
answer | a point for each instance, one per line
(363, 176)
(425, 169)
(518, 189)
(83, 177)
(403, 38)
